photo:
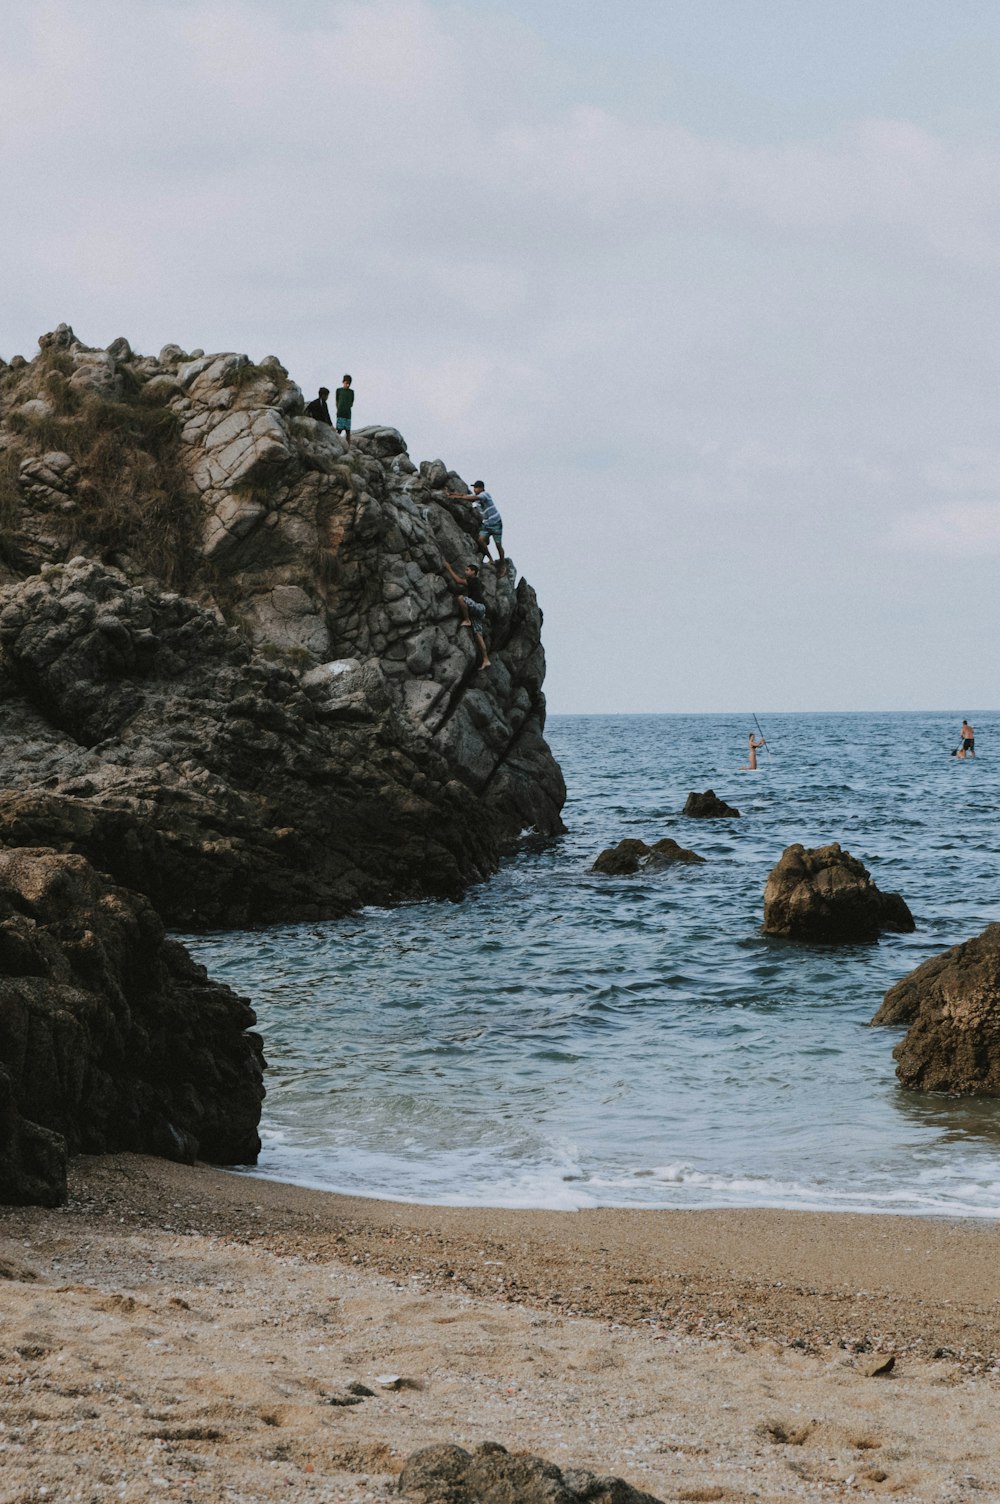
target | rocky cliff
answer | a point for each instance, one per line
(234, 688)
(232, 673)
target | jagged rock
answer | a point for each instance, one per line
(632, 856)
(111, 1037)
(132, 711)
(952, 1005)
(828, 896)
(708, 806)
(448, 1474)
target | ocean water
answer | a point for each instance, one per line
(565, 1040)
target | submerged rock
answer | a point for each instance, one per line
(111, 1037)
(952, 1005)
(708, 806)
(827, 896)
(448, 1474)
(631, 855)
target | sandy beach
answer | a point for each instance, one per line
(191, 1334)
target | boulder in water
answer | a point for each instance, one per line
(952, 1005)
(708, 806)
(631, 855)
(828, 896)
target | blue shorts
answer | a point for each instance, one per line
(477, 613)
(343, 425)
(490, 530)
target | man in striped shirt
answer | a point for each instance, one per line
(490, 525)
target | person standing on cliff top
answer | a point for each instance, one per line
(345, 401)
(318, 409)
(490, 523)
(471, 604)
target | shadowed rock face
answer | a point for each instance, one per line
(631, 856)
(111, 1037)
(447, 1474)
(300, 727)
(827, 896)
(952, 1005)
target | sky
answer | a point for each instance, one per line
(705, 290)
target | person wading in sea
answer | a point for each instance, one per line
(968, 735)
(751, 762)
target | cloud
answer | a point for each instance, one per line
(687, 354)
(956, 530)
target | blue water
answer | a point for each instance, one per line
(566, 1040)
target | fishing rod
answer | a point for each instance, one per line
(761, 734)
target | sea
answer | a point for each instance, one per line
(561, 1039)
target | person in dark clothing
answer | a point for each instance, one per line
(345, 401)
(469, 591)
(318, 409)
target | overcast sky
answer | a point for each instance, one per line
(705, 290)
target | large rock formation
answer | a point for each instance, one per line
(952, 1005)
(111, 1037)
(232, 671)
(827, 896)
(448, 1474)
(233, 677)
(631, 856)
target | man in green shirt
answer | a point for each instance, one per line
(345, 401)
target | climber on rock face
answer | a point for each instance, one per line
(469, 591)
(490, 523)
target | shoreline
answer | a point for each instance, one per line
(755, 1273)
(190, 1333)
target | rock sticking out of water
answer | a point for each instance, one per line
(952, 1005)
(233, 672)
(631, 855)
(827, 896)
(708, 806)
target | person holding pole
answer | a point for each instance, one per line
(751, 763)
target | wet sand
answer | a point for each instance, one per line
(184, 1333)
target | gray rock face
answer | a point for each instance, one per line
(447, 1474)
(952, 1005)
(827, 896)
(111, 1037)
(634, 856)
(708, 806)
(298, 723)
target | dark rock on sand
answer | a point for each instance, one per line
(631, 855)
(828, 896)
(111, 1037)
(708, 806)
(447, 1474)
(952, 1004)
